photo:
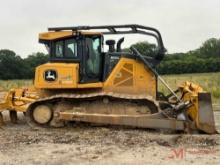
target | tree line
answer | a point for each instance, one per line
(12, 66)
(204, 59)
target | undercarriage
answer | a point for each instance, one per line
(108, 108)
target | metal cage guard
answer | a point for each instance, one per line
(121, 29)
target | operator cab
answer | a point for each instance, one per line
(83, 49)
(80, 46)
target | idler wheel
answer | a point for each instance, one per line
(42, 114)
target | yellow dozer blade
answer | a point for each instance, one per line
(201, 111)
(205, 119)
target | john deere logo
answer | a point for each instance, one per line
(50, 75)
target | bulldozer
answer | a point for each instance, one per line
(83, 83)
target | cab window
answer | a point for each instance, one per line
(65, 48)
(70, 48)
(59, 49)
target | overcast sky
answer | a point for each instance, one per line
(184, 24)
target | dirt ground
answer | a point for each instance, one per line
(86, 144)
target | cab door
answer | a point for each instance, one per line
(92, 60)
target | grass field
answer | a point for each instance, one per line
(209, 81)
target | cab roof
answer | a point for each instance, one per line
(54, 35)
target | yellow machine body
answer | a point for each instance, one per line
(131, 76)
(128, 76)
(67, 76)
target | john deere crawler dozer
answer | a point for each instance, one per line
(83, 83)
